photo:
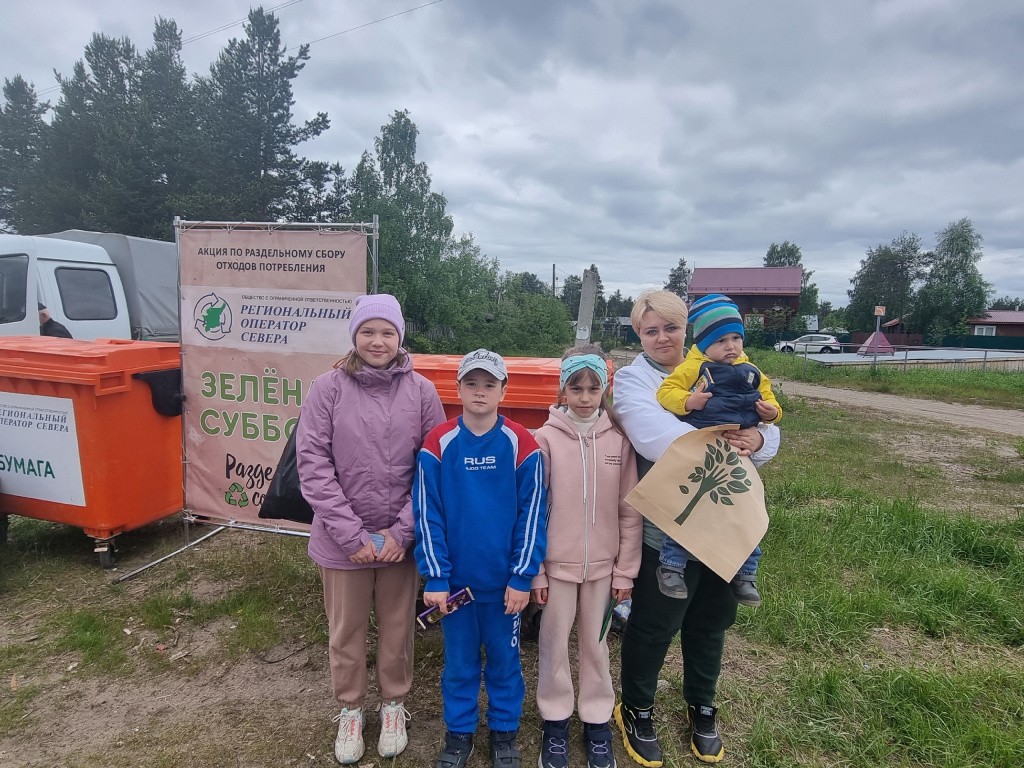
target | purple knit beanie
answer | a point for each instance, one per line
(378, 306)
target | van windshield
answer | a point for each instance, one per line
(13, 287)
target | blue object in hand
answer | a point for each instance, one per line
(378, 541)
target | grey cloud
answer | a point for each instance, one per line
(633, 134)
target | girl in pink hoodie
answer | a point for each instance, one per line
(592, 557)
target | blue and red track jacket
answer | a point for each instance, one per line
(480, 509)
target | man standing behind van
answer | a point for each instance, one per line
(50, 327)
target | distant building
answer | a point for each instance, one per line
(754, 289)
(896, 325)
(621, 328)
(998, 322)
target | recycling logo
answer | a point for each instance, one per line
(236, 496)
(212, 317)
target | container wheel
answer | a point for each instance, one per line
(105, 552)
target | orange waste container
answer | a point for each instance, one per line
(532, 385)
(91, 433)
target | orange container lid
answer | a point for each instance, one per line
(106, 365)
(532, 381)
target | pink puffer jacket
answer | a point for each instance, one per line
(356, 444)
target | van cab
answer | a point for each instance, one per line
(76, 282)
(97, 285)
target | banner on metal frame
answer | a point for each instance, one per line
(264, 310)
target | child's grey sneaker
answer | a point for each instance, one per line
(744, 589)
(554, 747)
(457, 749)
(672, 583)
(598, 740)
(504, 752)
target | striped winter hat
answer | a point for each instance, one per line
(713, 316)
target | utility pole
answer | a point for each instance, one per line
(588, 296)
(553, 294)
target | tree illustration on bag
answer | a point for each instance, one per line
(716, 479)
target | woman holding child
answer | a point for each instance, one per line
(362, 424)
(659, 318)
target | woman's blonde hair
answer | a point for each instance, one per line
(585, 375)
(664, 303)
(352, 362)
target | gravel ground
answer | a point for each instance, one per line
(1009, 422)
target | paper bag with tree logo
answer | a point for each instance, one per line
(707, 497)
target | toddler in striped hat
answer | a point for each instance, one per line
(716, 384)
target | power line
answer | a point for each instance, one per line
(367, 24)
(231, 24)
(201, 35)
(278, 7)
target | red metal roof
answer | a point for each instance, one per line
(746, 281)
(997, 317)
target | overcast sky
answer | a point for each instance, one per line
(630, 134)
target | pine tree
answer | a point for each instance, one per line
(22, 134)
(679, 279)
(251, 171)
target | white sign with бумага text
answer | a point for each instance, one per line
(39, 456)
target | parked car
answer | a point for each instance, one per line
(811, 343)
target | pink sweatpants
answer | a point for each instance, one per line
(348, 597)
(554, 685)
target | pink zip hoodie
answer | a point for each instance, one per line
(591, 532)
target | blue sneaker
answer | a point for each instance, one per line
(504, 752)
(457, 749)
(554, 748)
(598, 739)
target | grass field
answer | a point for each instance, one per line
(891, 632)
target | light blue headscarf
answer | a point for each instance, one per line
(578, 362)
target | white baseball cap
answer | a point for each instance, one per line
(484, 360)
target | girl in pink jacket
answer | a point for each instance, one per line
(592, 557)
(361, 427)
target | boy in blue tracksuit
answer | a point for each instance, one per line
(479, 506)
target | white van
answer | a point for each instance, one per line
(97, 285)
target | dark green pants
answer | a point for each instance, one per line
(700, 620)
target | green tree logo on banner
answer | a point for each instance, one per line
(715, 478)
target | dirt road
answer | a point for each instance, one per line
(1009, 422)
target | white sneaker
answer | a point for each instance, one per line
(393, 739)
(348, 747)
